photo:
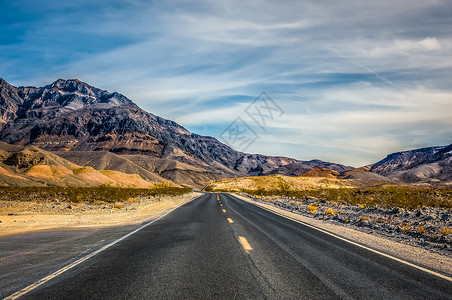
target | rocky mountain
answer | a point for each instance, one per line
(430, 164)
(70, 115)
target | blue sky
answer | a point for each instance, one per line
(356, 80)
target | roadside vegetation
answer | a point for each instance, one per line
(388, 196)
(104, 193)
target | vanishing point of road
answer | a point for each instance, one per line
(221, 247)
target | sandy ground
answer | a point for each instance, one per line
(409, 253)
(23, 217)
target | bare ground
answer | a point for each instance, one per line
(17, 217)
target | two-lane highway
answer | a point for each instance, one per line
(220, 247)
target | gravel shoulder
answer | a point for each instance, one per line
(398, 246)
(17, 217)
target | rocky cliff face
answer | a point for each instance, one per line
(10, 101)
(70, 115)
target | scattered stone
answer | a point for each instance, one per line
(395, 210)
(420, 227)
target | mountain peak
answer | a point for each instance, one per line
(70, 93)
(72, 85)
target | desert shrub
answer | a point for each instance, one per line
(312, 208)
(102, 193)
(421, 229)
(445, 231)
(405, 227)
(330, 211)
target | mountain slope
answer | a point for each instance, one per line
(10, 102)
(425, 164)
(70, 115)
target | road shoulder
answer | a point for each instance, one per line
(408, 253)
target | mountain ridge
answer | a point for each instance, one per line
(70, 115)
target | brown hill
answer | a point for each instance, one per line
(193, 173)
(32, 166)
(354, 171)
(321, 172)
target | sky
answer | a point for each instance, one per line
(352, 80)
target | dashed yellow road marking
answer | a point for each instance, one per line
(246, 246)
(230, 220)
(221, 204)
(224, 210)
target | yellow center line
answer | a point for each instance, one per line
(224, 210)
(246, 246)
(230, 220)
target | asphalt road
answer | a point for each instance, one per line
(230, 249)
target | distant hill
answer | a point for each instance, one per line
(430, 165)
(276, 183)
(321, 172)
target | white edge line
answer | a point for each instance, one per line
(353, 243)
(33, 286)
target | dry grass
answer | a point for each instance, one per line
(363, 218)
(118, 205)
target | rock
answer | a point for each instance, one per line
(445, 217)
(69, 207)
(396, 210)
(364, 223)
(427, 218)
